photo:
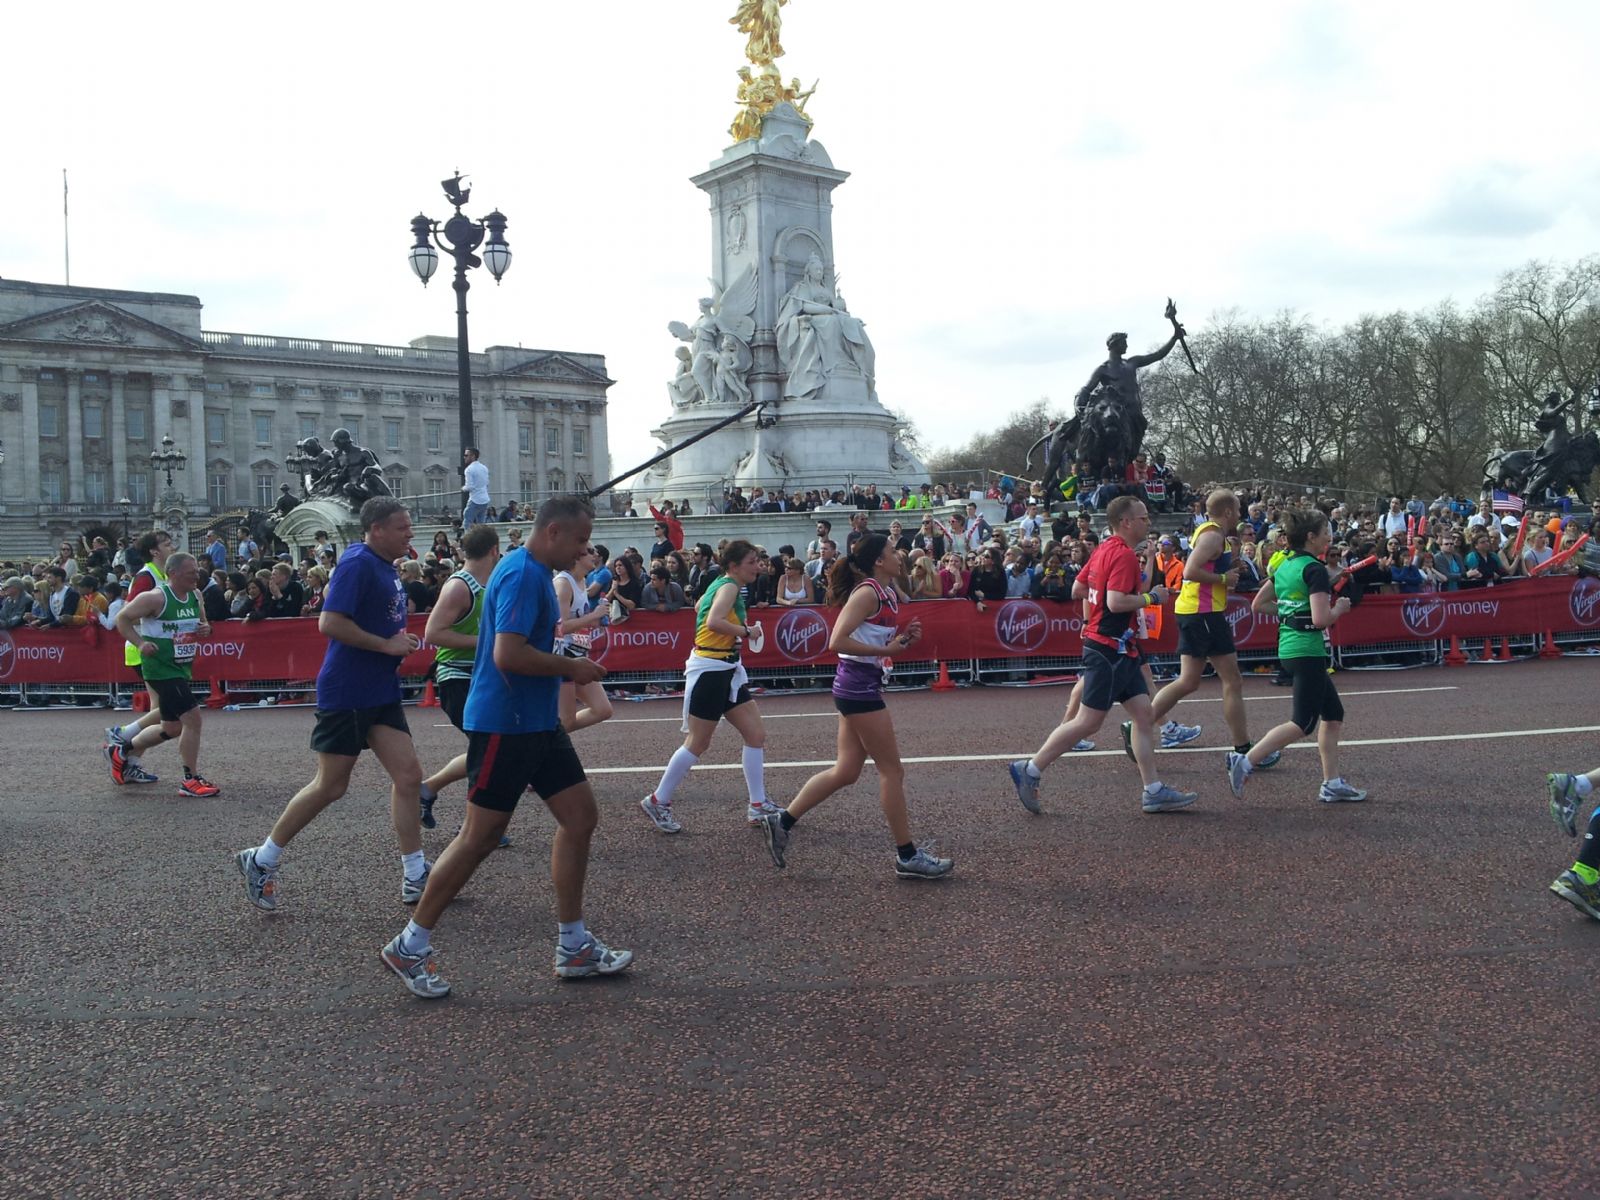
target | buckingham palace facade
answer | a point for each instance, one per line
(92, 379)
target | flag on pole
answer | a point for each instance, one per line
(1506, 502)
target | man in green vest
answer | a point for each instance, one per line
(151, 550)
(453, 628)
(165, 624)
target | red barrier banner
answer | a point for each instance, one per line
(953, 631)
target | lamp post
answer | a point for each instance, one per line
(167, 457)
(127, 513)
(459, 237)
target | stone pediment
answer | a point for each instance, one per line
(96, 323)
(557, 367)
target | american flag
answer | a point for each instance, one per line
(1505, 502)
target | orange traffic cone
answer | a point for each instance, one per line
(944, 683)
(429, 700)
(1453, 656)
(1505, 651)
(218, 695)
(141, 701)
(1549, 649)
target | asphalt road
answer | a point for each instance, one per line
(1258, 997)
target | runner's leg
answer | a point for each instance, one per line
(1227, 667)
(189, 740)
(875, 732)
(1064, 737)
(576, 817)
(397, 754)
(331, 781)
(479, 837)
(596, 706)
(746, 718)
(453, 771)
(1144, 749)
(845, 771)
(1190, 671)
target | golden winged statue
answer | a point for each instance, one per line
(762, 22)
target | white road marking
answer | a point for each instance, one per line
(1117, 753)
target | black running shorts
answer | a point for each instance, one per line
(854, 708)
(501, 766)
(453, 698)
(1315, 697)
(713, 695)
(344, 731)
(173, 697)
(1204, 635)
(1109, 678)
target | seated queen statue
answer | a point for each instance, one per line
(817, 335)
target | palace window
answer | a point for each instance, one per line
(94, 485)
(216, 428)
(308, 425)
(139, 487)
(525, 439)
(435, 432)
(94, 421)
(261, 389)
(138, 424)
(219, 489)
(266, 489)
(263, 424)
(49, 420)
(580, 441)
(391, 433)
(530, 487)
(50, 485)
(552, 439)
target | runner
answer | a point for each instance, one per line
(1579, 884)
(1204, 634)
(715, 686)
(866, 637)
(1301, 587)
(1111, 661)
(358, 703)
(514, 742)
(153, 548)
(580, 618)
(453, 628)
(163, 624)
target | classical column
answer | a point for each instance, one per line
(566, 445)
(74, 455)
(189, 403)
(541, 479)
(27, 454)
(119, 438)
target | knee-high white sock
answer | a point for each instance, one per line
(755, 763)
(678, 767)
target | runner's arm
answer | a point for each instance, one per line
(455, 602)
(573, 624)
(146, 604)
(1265, 599)
(341, 628)
(1205, 548)
(515, 655)
(717, 620)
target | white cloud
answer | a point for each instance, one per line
(1024, 179)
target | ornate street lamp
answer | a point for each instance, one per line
(459, 237)
(167, 457)
(127, 514)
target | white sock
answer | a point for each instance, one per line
(1249, 767)
(268, 853)
(755, 782)
(572, 933)
(413, 865)
(1581, 782)
(1150, 789)
(1033, 771)
(428, 794)
(128, 732)
(415, 939)
(678, 768)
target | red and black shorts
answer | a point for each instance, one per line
(501, 766)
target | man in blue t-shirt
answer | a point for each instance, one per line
(358, 703)
(515, 742)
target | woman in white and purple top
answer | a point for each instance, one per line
(866, 637)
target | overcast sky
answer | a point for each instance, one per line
(1024, 177)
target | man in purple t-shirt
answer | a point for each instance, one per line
(358, 702)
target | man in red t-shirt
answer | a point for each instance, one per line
(1112, 581)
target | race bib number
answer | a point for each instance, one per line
(183, 645)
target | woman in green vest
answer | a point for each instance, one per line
(1301, 592)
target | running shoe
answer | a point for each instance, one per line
(425, 807)
(777, 837)
(194, 785)
(260, 884)
(1564, 801)
(661, 814)
(418, 972)
(594, 957)
(411, 889)
(114, 737)
(1174, 734)
(1168, 799)
(923, 865)
(1337, 791)
(1270, 761)
(1085, 744)
(1127, 740)
(117, 760)
(755, 814)
(1585, 897)
(1027, 785)
(1238, 772)
(135, 773)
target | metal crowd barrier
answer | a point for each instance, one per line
(1367, 657)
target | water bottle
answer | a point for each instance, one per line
(230, 708)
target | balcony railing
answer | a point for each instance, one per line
(288, 347)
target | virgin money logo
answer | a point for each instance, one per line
(1583, 600)
(1020, 626)
(1423, 617)
(8, 654)
(600, 643)
(1241, 620)
(800, 635)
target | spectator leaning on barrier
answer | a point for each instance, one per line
(14, 604)
(662, 594)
